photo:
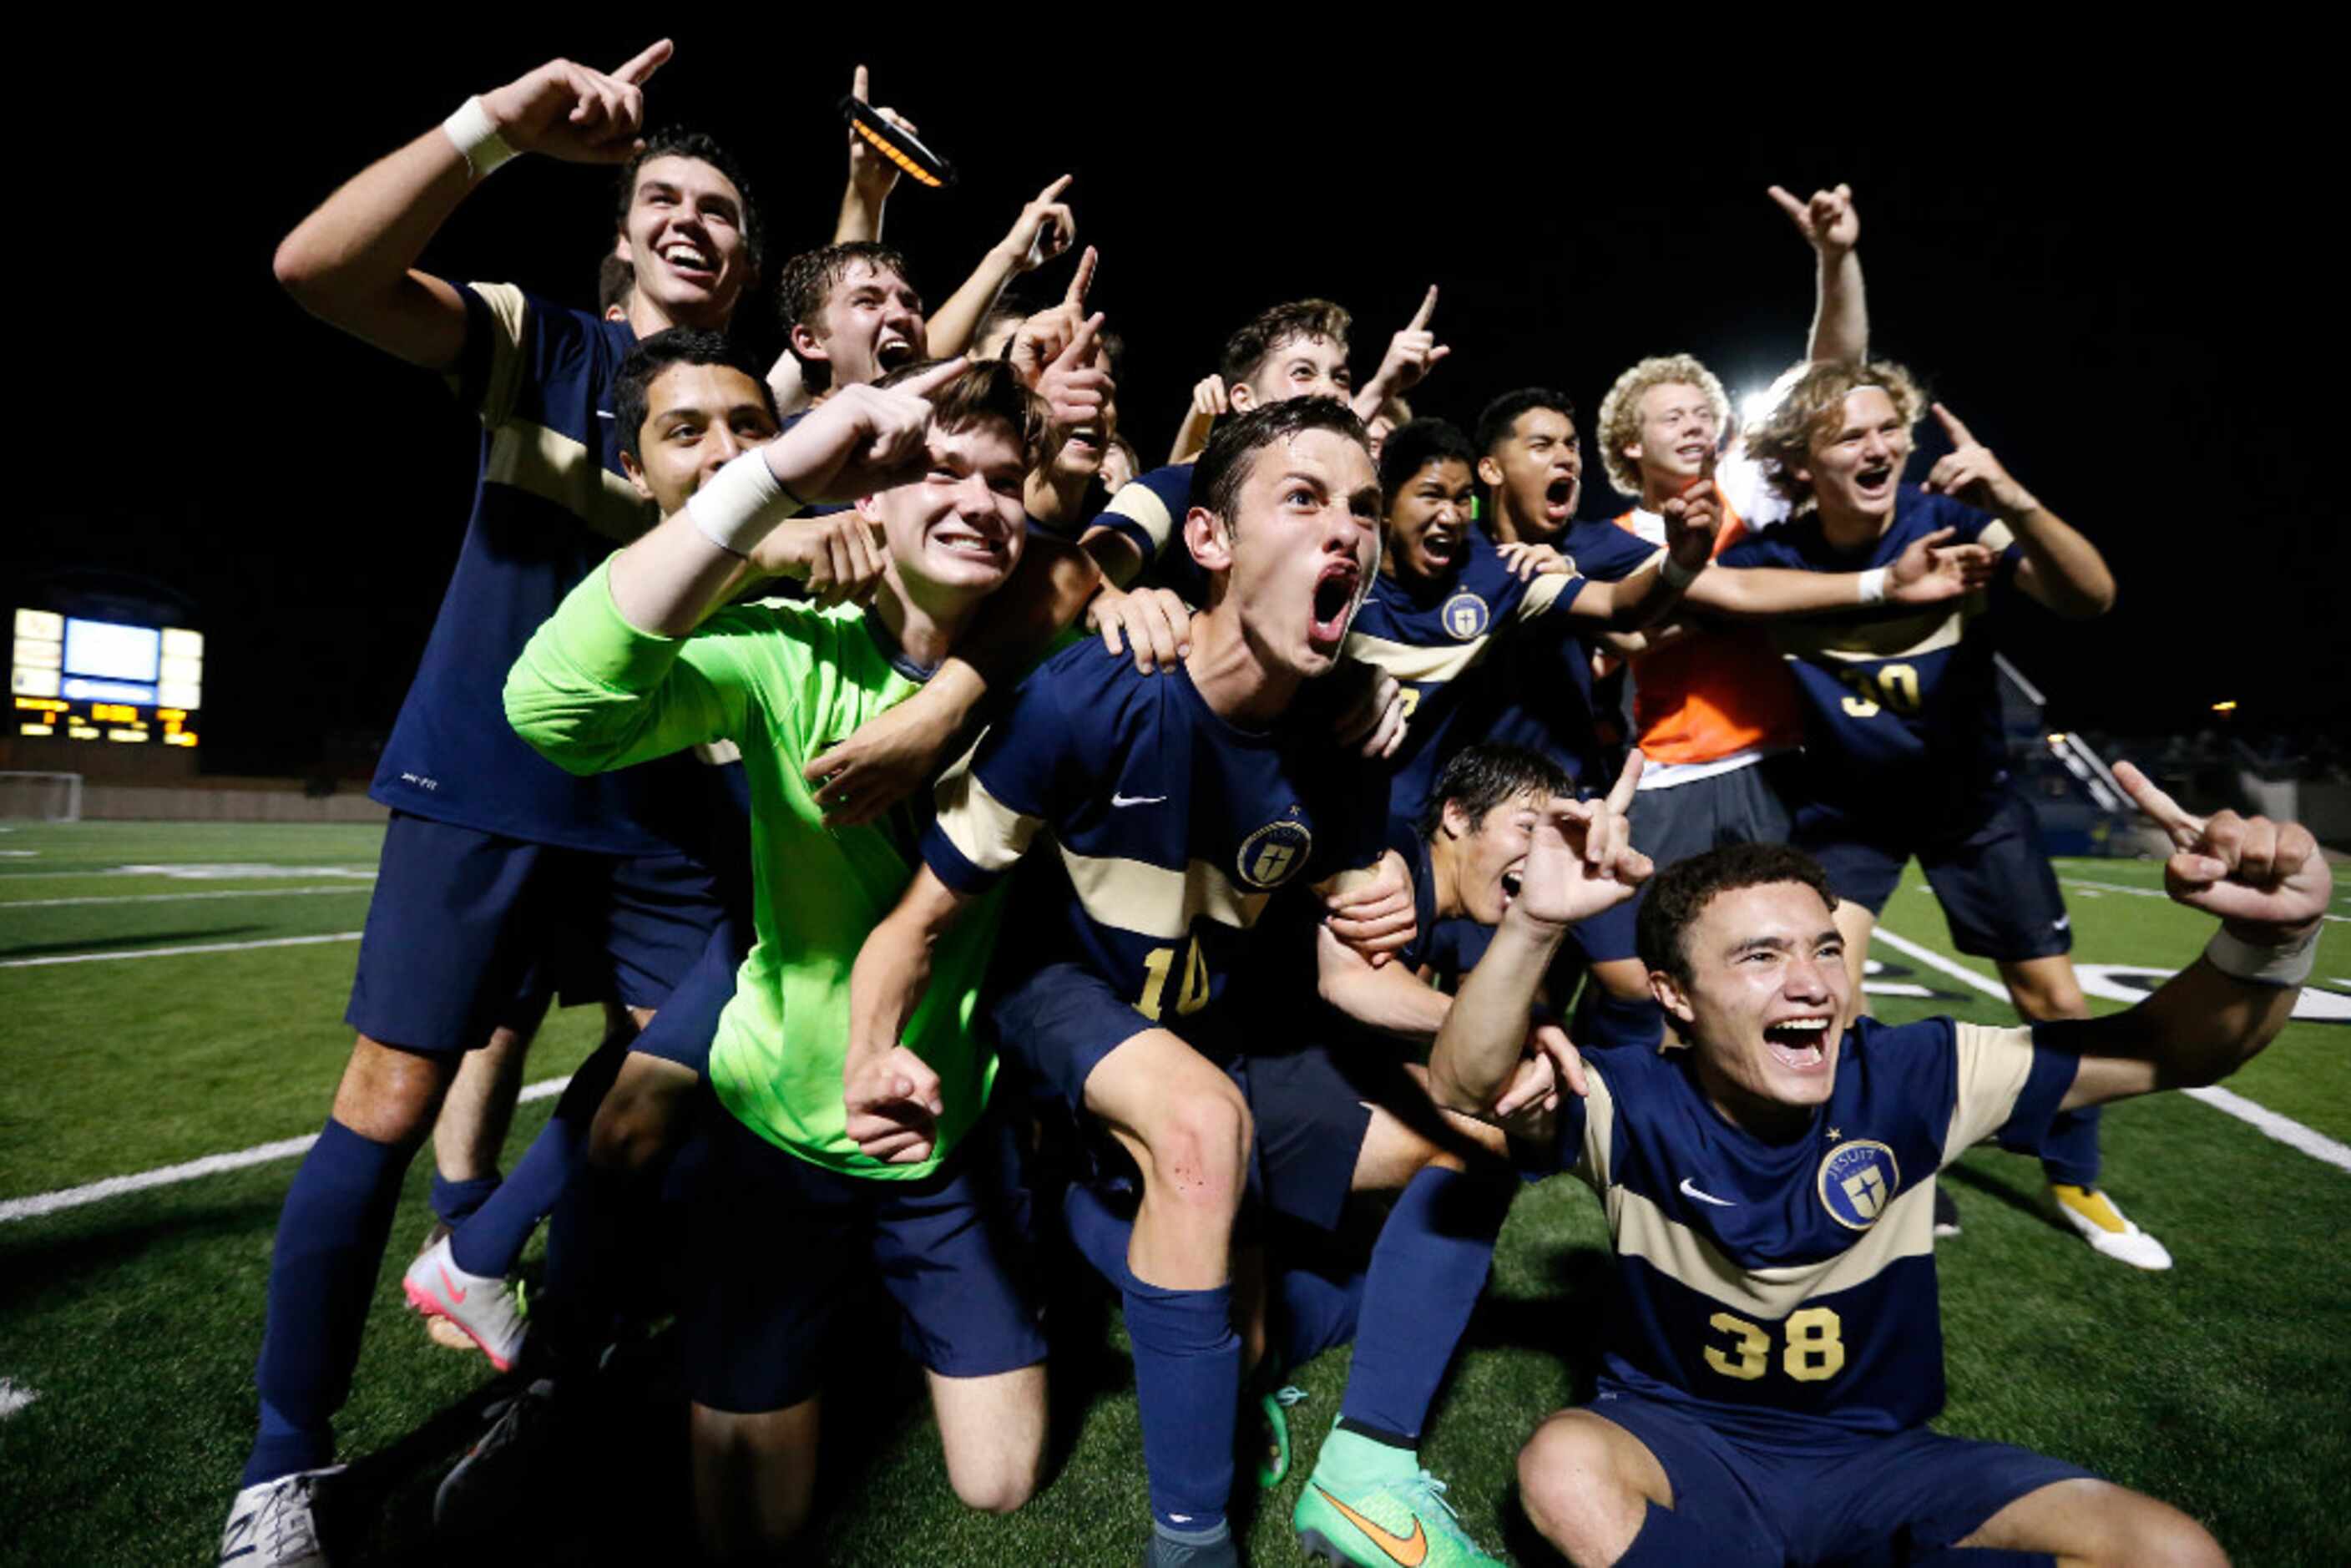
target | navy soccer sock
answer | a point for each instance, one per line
(1312, 1311)
(455, 1202)
(1427, 1269)
(2069, 1149)
(322, 1270)
(1187, 1377)
(490, 1244)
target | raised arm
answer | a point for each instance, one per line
(1412, 353)
(1840, 309)
(1043, 230)
(871, 176)
(1581, 862)
(858, 442)
(2061, 568)
(2270, 884)
(352, 263)
(892, 1095)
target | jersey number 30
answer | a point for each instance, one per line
(1814, 1350)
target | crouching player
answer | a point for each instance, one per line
(629, 669)
(1176, 809)
(1776, 1348)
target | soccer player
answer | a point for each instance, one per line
(1295, 349)
(1775, 1347)
(629, 669)
(1176, 806)
(1903, 753)
(493, 855)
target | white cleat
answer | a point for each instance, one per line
(484, 1306)
(272, 1525)
(2106, 1228)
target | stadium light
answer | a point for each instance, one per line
(1753, 406)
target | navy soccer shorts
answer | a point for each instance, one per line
(1745, 806)
(1995, 886)
(687, 1024)
(777, 1249)
(1055, 1027)
(1843, 1497)
(467, 928)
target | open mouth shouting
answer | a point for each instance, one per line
(1875, 483)
(1335, 603)
(1800, 1044)
(1559, 499)
(894, 350)
(1440, 547)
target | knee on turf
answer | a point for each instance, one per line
(631, 1130)
(1570, 1485)
(998, 1483)
(2143, 1533)
(1199, 1143)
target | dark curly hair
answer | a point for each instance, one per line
(1679, 894)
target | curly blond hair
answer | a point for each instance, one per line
(1620, 411)
(1807, 404)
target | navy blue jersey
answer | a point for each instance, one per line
(1148, 512)
(1436, 640)
(1544, 683)
(1169, 830)
(550, 503)
(1773, 1289)
(1901, 704)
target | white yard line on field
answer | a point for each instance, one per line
(175, 952)
(8, 903)
(2284, 1129)
(32, 1207)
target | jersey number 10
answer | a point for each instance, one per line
(1191, 998)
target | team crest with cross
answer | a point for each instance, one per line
(1465, 616)
(1273, 855)
(1858, 1181)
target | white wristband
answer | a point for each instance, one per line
(2241, 961)
(1675, 575)
(477, 140)
(1873, 586)
(741, 503)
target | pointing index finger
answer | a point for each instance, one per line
(1952, 427)
(1083, 278)
(2185, 830)
(1428, 308)
(1789, 205)
(1620, 799)
(648, 60)
(1052, 192)
(858, 87)
(932, 380)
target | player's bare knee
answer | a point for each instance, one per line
(1199, 1149)
(627, 1134)
(389, 1095)
(1576, 1493)
(999, 1485)
(2154, 1534)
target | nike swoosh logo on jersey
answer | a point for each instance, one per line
(1689, 1191)
(1409, 1551)
(1118, 800)
(450, 1285)
(2062, 922)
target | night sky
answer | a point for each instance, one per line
(2126, 298)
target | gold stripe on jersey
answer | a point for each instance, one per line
(1905, 637)
(1643, 1230)
(1599, 1132)
(1152, 900)
(554, 467)
(1993, 1066)
(986, 831)
(507, 311)
(1407, 663)
(1543, 594)
(1141, 505)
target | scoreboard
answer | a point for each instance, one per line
(105, 680)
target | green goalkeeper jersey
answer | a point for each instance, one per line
(785, 682)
